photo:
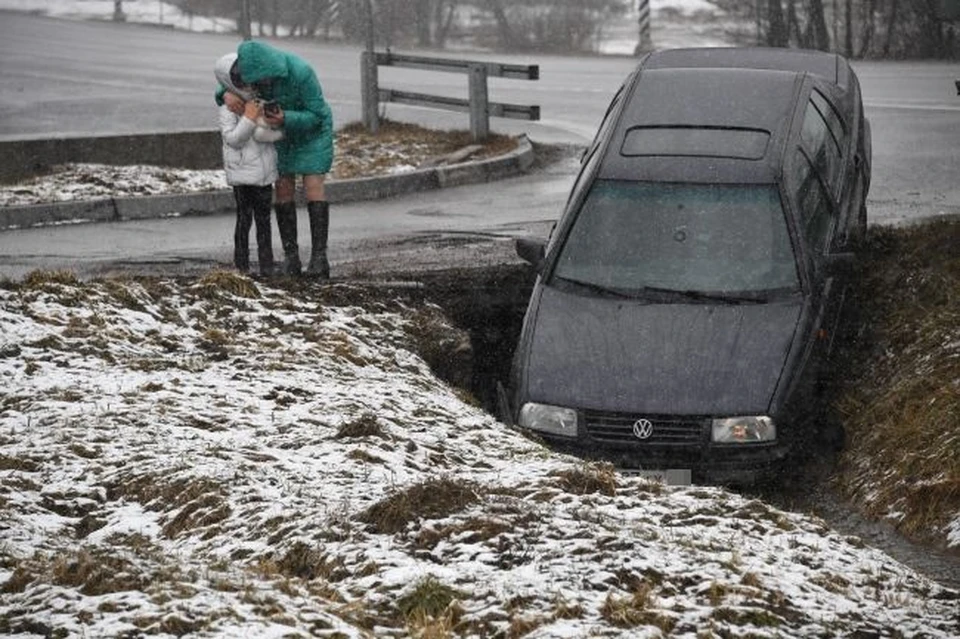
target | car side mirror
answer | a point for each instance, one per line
(531, 251)
(839, 263)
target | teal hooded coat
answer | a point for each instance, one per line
(307, 145)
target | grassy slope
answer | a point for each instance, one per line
(899, 388)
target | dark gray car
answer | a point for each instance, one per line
(689, 293)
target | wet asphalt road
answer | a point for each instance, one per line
(83, 78)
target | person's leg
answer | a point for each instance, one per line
(319, 211)
(261, 215)
(241, 231)
(286, 209)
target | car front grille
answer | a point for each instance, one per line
(617, 428)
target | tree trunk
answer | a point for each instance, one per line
(848, 31)
(818, 26)
(869, 28)
(776, 28)
(891, 23)
(793, 25)
(421, 17)
(505, 33)
(444, 21)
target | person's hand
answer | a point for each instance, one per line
(234, 102)
(252, 110)
(274, 118)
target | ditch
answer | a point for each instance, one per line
(489, 304)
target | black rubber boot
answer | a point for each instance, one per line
(264, 242)
(287, 224)
(241, 236)
(319, 266)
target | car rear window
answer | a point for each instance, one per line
(711, 238)
(741, 144)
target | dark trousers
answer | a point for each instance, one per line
(253, 205)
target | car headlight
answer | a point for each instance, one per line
(549, 419)
(744, 430)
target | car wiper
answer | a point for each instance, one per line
(737, 297)
(598, 289)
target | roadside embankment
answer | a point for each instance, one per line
(897, 383)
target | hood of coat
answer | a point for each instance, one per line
(260, 62)
(222, 72)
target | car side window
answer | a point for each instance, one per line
(834, 121)
(814, 203)
(821, 143)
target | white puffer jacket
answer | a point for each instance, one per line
(249, 156)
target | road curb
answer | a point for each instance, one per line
(217, 202)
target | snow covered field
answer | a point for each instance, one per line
(221, 458)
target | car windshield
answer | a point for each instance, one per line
(709, 239)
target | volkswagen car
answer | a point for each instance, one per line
(688, 296)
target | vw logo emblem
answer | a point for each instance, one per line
(642, 429)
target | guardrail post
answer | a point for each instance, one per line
(479, 103)
(369, 92)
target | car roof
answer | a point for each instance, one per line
(747, 98)
(714, 116)
(829, 66)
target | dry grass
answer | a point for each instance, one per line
(41, 279)
(362, 154)
(635, 610)
(434, 498)
(92, 571)
(589, 478)
(310, 562)
(215, 283)
(899, 397)
(431, 608)
(188, 503)
(366, 425)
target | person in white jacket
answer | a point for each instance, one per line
(250, 163)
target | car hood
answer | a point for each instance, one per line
(655, 358)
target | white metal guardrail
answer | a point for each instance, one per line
(477, 104)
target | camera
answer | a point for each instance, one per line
(271, 107)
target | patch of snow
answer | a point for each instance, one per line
(73, 182)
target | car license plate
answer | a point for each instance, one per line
(668, 476)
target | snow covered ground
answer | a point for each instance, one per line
(219, 457)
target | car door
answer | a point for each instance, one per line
(819, 165)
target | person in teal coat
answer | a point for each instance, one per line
(306, 149)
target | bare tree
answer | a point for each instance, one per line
(508, 40)
(544, 25)
(818, 36)
(868, 26)
(777, 34)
